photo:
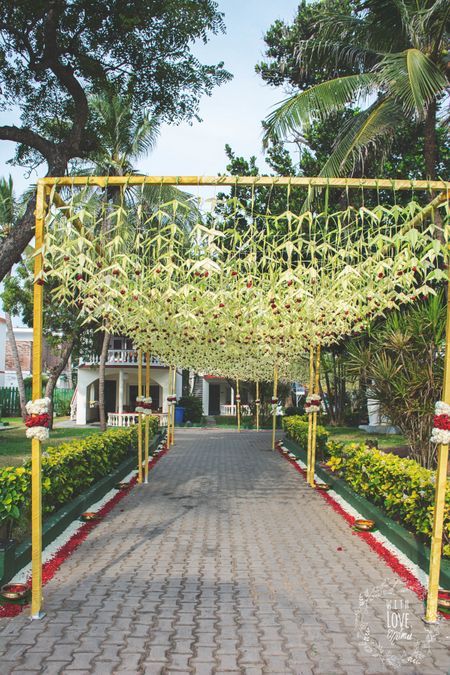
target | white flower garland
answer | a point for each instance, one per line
(41, 433)
(312, 404)
(38, 407)
(146, 408)
(441, 429)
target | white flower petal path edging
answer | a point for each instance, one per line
(65, 544)
(413, 576)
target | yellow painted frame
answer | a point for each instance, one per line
(46, 185)
(139, 418)
(274, 406)
(257, 406)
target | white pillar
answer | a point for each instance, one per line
(164, 383)
(205, 396)
(121, 391)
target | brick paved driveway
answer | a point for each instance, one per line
(225, 562)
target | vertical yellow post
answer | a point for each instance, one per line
(147, 418)
(274, 405)
(310, 417)
(314, 424)
(257, 406)
(140, 393)
(238, 406)
(440, 488)
(36, 448)
(169, 408)
(174, 391)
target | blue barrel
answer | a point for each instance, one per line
(179, 414)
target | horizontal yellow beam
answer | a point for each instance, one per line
(352, 183)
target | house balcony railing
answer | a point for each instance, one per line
(128, 419)
(119, 357)
(228, 409)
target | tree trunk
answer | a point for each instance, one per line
(22, 232)
(101, 381)
(430, 152)
(329, 404)
(185, 382)
(56, 372)
(17, 366)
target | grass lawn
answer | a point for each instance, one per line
(385, 441)
(15, 447)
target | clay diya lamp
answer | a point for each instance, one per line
(14, 591)
(89, 516)
(122, 486)
(323, 487)
(364, 525)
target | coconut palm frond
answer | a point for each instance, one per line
(376, 124)
(145, 135)
(374, 127)
(341, 52)
(317, 103)
(413, 79)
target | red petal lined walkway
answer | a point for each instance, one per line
(225, 562)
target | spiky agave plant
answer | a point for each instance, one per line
(402, 362)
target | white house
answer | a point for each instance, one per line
(121, 387)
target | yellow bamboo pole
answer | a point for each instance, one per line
(140, 417)
(169, 408)
(238, 406)
(310, 417)
(257, 406)
(174, 380)
(440, 489)
(147, 418)
(304, 181)
(36, 446)
(274, 405)
(314, 428)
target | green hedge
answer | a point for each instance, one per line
(231, 420)
(67, 471)
(401, 487)
(296, 427)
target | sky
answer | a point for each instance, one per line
(231, 115)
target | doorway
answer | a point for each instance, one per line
(214, 399)
(110, 396)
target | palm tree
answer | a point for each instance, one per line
(396, 55)
(124, 137)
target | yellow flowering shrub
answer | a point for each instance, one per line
(67, 470)
(296, 427)
(402, 488)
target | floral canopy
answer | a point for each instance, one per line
(215, 286)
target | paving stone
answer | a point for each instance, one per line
(225, 562)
